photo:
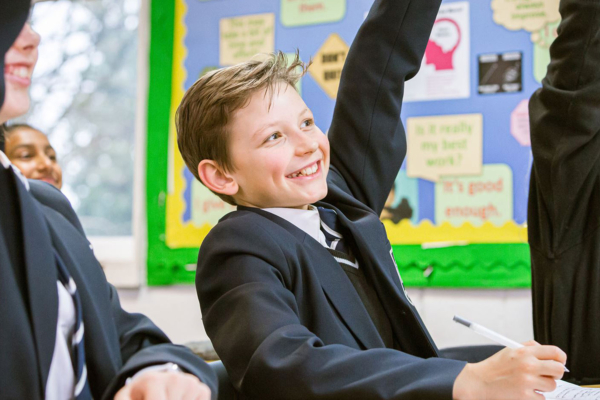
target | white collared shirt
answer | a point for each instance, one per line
(308, 221)
(7, 164)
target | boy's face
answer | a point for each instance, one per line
(280, 157)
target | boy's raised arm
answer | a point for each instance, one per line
(367, 138)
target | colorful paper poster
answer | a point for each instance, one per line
(444, 145)
(243, 37)
(311, 12)
(519, 123)
(403, 200)
(476, 199)
(445, 72)
(327, 65)
(530, 15)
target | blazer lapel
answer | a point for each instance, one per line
(103, 358)
(41, 276)
(379, 265)
(335, 284)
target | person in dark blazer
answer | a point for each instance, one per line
(564, 195)
(299, 290)
(64, 334)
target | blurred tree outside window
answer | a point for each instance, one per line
(84, 97)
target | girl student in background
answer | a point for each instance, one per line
(30, 151)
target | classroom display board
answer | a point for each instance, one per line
(456, 216)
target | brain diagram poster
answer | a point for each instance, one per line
(445, 70)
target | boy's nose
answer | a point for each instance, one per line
(307, 146)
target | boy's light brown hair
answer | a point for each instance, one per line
(203, 117)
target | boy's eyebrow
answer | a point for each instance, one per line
(266, 126)
(262, 128)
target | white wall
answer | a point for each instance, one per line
(176, 310)
(505, 311)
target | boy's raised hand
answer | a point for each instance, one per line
(512, 374)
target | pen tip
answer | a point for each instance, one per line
(462, 321)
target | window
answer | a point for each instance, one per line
(87, 98)
(84, 98)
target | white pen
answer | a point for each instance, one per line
(488, 333)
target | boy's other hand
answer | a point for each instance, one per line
(512, 374)
(164, 386)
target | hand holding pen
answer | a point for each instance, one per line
(512, 373)
(490, 334)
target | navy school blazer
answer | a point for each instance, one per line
(280, 311)
(117, 343)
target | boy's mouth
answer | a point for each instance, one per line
(309, 170)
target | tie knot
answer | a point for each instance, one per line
(330, 225)
(330, 219)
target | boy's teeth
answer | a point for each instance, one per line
(305, 172)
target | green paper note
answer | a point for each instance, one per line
(311, 12)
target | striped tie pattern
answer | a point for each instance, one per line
(331, 228)
(82, 387)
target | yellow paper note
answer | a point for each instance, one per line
(530, 15)
(444, 145)
(327, 65)
(243, 37)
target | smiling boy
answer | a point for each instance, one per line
(299, 290)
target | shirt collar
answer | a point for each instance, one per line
(7, 164)
(306, 220)
(4, 160)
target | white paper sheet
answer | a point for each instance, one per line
(568, 391)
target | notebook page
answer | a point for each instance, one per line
(568, 391)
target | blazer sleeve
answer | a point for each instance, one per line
(254, 323)
(368, 142)
(141, 343)
(565, 125)
(52, 197)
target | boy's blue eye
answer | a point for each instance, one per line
(307, 123)
(274, 136)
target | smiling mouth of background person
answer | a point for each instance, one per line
(18, 73)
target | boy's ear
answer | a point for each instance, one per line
(216, 179)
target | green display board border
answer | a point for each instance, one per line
(473, 266)
(165, 266)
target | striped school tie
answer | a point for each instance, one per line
(82, 387)
(331, 228)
